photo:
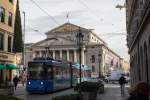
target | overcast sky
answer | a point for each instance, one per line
(100, 15)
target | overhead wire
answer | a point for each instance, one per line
(58, 23)
(44, 11)
(35, 30)
(90, 10)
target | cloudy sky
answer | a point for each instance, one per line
(100, 15)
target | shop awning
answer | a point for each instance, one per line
(11, 66)
(2, 67)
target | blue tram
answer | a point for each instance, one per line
(48, 76)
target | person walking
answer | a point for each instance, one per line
(140, 91)
(23, 80)
(15, 81)
(122, 81)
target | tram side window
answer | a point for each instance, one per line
(57, 72)
(49, 72)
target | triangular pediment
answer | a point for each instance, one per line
(65, 28)
(54, 42)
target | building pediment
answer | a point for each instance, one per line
(59, 41)
(67, 27)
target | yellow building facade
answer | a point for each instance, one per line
(7, 19)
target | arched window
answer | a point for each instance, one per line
(146, 61)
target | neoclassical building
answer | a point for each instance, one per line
(7, 19)
(138, 39)
(61, 44)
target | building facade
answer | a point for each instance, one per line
(138, 39)
(61, 44)
(7, 19)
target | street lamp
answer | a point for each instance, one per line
(23, 56)
(79, 37)
(99, 61)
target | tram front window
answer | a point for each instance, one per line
(36, 71)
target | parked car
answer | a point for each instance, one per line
(96, 80)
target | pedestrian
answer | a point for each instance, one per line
(23, 80)
(122, 81)
(15, 81)
(140, 91)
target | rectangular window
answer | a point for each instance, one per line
(9, 44)
(2, 14)
(10, 19)
(1, 41)
(11, 1)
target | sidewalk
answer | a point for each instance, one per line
(20, 90)
(112, 92)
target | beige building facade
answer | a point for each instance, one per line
(7, 19)
(138, 39)
(61, 44)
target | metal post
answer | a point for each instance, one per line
(46, 52)
(99, 60)
(79, 42)
(80, 64)
(71, 75)
(23, 56)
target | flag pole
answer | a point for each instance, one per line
(68, 18)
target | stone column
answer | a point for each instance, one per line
(82, 56)
(33, 55)
(40, 52)
(75, 55)
(60, 54)
(53, 54)
(5, 42)
(67, 55)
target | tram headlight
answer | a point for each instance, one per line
(42, 83)
(29, 83)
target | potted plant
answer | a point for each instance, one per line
(89, 90)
